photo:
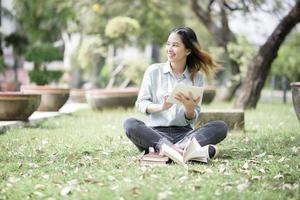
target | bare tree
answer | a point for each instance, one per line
(260, 66)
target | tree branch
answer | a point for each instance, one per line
(209, 5)
(231, 8)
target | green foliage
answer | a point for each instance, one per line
(156, 17)
(41, 21)
(122, 28)
(18, 41)
(2, 64)
(288, 59)
(43, 76)
(242, 52)
(43, 53)
(91, 52)
(102, 79)
(135, 68)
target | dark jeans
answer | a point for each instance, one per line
(144, 137)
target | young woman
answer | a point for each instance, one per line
(171, 123)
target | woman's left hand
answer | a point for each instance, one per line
(188, 102)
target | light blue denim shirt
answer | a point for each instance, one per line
(158, 82)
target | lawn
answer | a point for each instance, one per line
(86, 155)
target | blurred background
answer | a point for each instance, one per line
(108, 43)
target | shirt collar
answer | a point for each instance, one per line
(167, 69)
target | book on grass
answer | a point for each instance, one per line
(185, 89)
(192, 152)
(153, 158)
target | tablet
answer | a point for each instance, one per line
(185, 89)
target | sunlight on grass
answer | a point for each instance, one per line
(86, 155)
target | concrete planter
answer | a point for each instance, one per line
(209, 94)
(77, 95)
(111, 98)
(53, 98)
(18, 106)
(8, 86)
(296, 97)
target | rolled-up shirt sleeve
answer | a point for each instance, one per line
(144, 97)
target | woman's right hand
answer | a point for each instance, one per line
(153, 108)
(166, 105)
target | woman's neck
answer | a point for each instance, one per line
(178, 67)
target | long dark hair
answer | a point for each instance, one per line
(198, 59)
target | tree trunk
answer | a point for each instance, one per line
(259, 68)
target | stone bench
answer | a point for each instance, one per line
(234, 118)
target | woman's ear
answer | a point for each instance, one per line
(188, 51)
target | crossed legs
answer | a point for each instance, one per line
(144, 137)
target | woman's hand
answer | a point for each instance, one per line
(153, 108)
(189, 103)
(165, 105)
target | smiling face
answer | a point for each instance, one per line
(176, 51)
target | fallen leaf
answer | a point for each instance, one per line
(196, 171)
(39, 194)
(39, 186)
(208, 171)
(183, 178)
(13, 179)
(261, 170)
(222, 168)
(76, 170)
(45, 176)
(111, 178)
(245, 166)
(295, 149)
(127, 180)
(254, 178)
(20, 165)
(44, 142)
(278, 176)
(65, 191)
(33, 165)
(135, 191)
(267, 161)
(164, 195)
(281, 159)
(253, 161)
(242, 186)
(114, 188)
(261, 155)
(73, 182)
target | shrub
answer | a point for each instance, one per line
(121, 28)
(41, 54)
(43, 76)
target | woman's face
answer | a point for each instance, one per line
(176, 51)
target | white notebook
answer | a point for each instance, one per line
(185, 89)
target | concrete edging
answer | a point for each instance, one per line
(38, 116)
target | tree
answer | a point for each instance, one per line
(220, 31)
(214, 14)
(259, 68)
(40, 21)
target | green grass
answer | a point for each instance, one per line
(86, 155)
